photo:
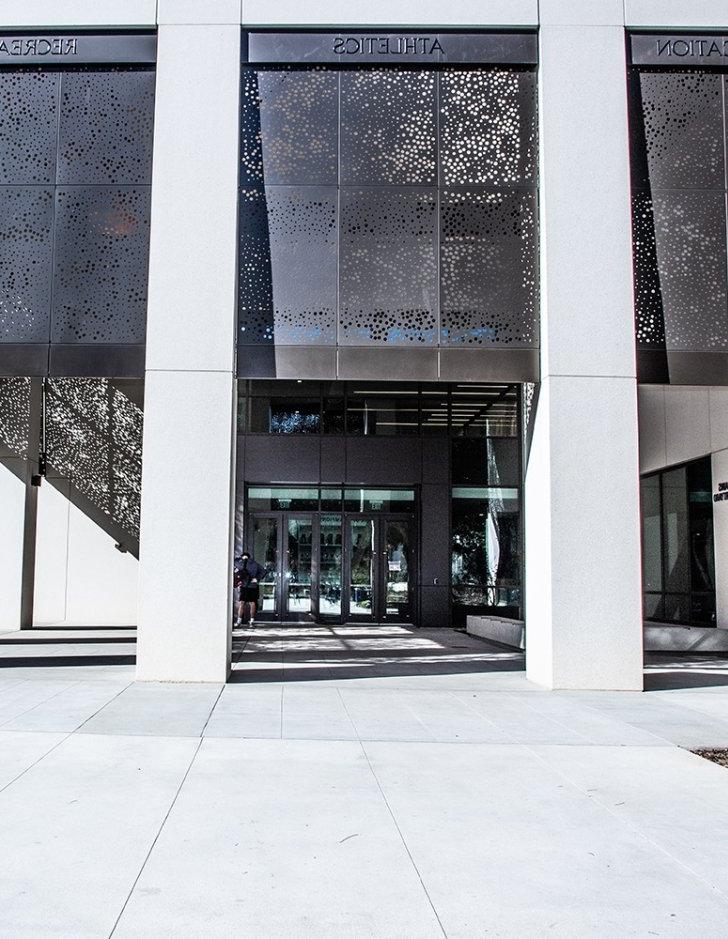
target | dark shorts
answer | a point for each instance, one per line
(250, 594)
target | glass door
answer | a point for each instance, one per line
(265, 549)
(331, 567)
(361, 582)
(396, 569)
(298, 575)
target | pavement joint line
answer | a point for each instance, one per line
(104, 705)
(643, 730)
(628, 824)
(587, 740)
(71, 684)
(392, 816)
(212, 711)
(156, 837)
(36, 762)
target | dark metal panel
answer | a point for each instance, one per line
(77, 49)
(488, 268)
(28, 109)
(435, 563)
(101, 264)
(488, 127)
(23, 359)
(680, 270)
(256, 361)
(289, 127)
(352, 47)
(388, 267)
(26, 258)
(388, 127)
(677, 130)
(384, 460)
(333, 459)
(284, 459)
(98, 360)
(434, 607)
(682, 367)
(675, 50)
(309, 362)
(106, 127)
(372, 363)
(484, 365)
(436, 460)
(288, 242)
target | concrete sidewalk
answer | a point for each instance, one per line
(355, 781)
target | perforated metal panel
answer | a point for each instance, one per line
(102, 253)
(388, 267)
(488, 127)
(106, 123)
(388, 127)
(15, 415)
(288, 265)
(383, 140)
(680, 270)
(28, 116)
(26, 260)
(289, 127)
(488, 268)
(677, 130)
(94, 438)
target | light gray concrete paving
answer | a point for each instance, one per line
(355, 782)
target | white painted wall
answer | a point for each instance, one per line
(80, 577)
(12, 516)
(680, 423)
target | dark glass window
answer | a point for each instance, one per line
(294, 499)
(379, 500)
(486, 549)
(484, 410)
(382, 410)
(285, 408)
(678, 568)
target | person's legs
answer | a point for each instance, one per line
(253, 607)
(241, 607)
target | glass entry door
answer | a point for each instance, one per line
(324, 566)
(379, 568)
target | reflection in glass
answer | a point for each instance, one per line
(651, 534)
(484, 410)
(299, 559)
(374, 410)
(397, 574)
(361, 581)
(285, 415)
(330, 565)
(486, 553)
(295, 499)
(379, 500)
(265, 552)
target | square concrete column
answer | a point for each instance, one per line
(187, 479)
(583, 580)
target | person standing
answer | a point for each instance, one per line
(247, 576)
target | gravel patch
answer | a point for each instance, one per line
(719, 756)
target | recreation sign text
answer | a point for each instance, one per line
(677, 50)
(86, 48)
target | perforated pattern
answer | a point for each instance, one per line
(94, 438)
(289, 127)
(680, 270)
(28, 108)
(288, 265)
(26, 257)
(102, 248)
(680, 141)
(388, 127)
(106, 125)
(488, 268)
(15, 415)
(488, 127)
(388, 267)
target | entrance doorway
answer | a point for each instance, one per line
(335, 567)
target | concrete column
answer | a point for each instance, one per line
(187, 505)
(583, 586)
(720, 540)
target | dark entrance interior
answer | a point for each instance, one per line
(356, 563)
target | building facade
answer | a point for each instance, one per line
(426, 308)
